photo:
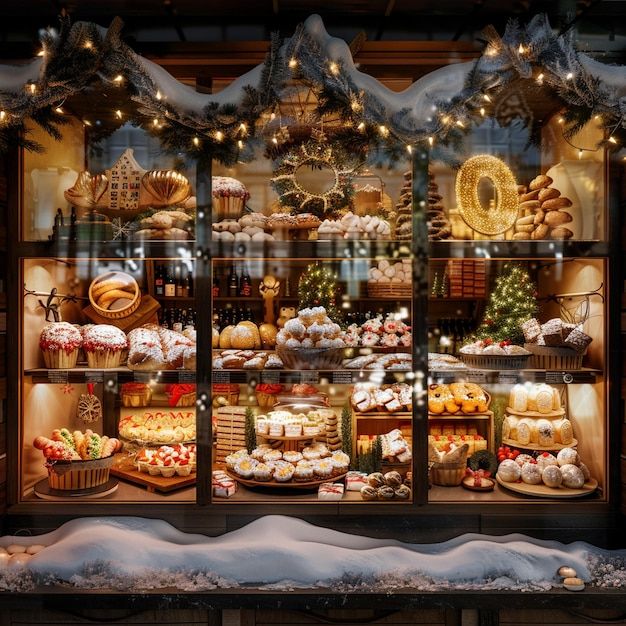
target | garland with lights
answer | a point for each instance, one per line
(78, 55)
(316, 156)
(318, 287)
(512, 302)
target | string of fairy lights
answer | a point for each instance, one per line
(532, 52)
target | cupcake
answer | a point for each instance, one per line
(60, 343)
(262, 472)
(272, 455)
(245, 467)
(303, 471)
(323, 468)
(311, 454)
(292, 456)
(104, 346)
(229, 197)
(284, 473)
(260, 452)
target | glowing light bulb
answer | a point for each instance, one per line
(334, 68)
(482, 111)
(118, 79)
(612, 140)
(196, 141)
(118, 114)
(569, 76)
(361, 126)
(293, 63)
(3, 115)
(155, 121)
(431, 141)
(219, 135)
(521, 49)
(158, 95)
(409, 148)
(59, 110)
(243, 129)
(240, 144)
(540, 78)
(88, 45)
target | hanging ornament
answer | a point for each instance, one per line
(89, 406)
(121, 229)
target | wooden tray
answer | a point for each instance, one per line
(537, 448)
(128, 471)
(550, 415)
(542, 491)
(292, 484)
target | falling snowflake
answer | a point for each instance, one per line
(67, 389)
(121, 229)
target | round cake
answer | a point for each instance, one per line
(60, 343)
(229, 196)
(104, 346)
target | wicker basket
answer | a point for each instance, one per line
(311, 358)
(553, 358)
(136, 394)
(389, 290)
(496, 361)
(134, 298)
(448, 474)
(229, 391)
(74, 475)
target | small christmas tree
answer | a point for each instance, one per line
(377, 454)
(346, 431)
(250, 430)
(318, 287)
(511, 303)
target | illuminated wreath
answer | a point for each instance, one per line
(316, 156)
(487, 220)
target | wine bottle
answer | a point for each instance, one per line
(245, 284)
(233, 283)
(159, 282)
(180, 287)
(169, 284)
(188, 285)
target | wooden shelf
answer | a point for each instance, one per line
(122, 374)
(510, 377)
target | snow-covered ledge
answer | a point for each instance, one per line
(278, 554)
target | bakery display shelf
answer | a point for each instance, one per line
(310, 485)
(549, 415)
(166, 299)
(311, 249)
(383, 415)
(337, 377)
(487, 415)
(269, 437)
(122, 374)
(124, 468)
(543, 491)
(554, 377)
(479, 249)
(536, 448)
(106, 249)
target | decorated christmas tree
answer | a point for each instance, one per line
(511, 303)
(318, 287)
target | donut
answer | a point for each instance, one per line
(552, 476)
(568, 456)
(573, 476)
(509, 471)
(531, 474)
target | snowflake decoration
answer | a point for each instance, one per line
(67, 389)
(121, 229)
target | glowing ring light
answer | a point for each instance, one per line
(491, 220)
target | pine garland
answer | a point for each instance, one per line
(346, 432)
(250, 430)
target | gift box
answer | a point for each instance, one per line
(355, 481)
(223, 485)
(330, 491)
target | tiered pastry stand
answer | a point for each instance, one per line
(535, 447)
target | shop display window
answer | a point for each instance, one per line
(317, 325)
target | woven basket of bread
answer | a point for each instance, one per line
(448, 474)
(74, 475)
(389, 290)
(114, 295)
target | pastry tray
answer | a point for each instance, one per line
(543, 491)
(290, 484)
(538, 448)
